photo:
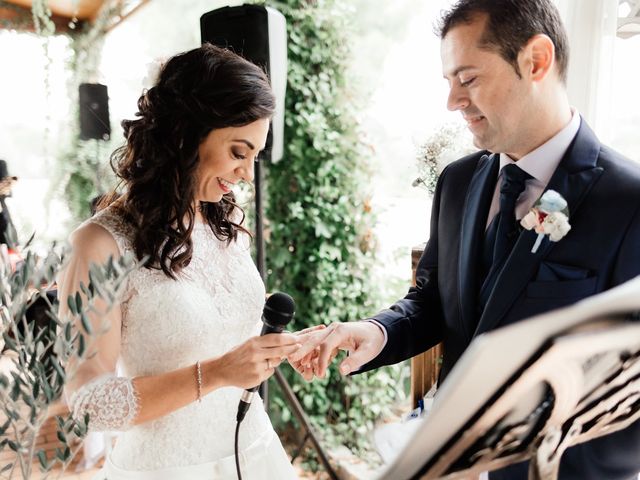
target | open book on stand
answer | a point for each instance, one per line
(531, 390)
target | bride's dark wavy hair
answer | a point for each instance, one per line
(198, 91)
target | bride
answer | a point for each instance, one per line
(183, 340)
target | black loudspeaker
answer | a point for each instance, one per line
(94, 112)
(259, 34)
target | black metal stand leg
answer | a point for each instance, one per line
(298, 450)
(258, 180)
(304, 420)
(288, 392)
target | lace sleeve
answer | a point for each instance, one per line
(110, 401)
(92, 386)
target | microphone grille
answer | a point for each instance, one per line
(279, 309)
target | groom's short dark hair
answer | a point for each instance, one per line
(510, 25)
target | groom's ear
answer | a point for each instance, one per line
(537, 58)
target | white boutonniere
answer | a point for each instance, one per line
(154, 68)
(549, 216)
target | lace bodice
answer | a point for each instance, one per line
(215, 304)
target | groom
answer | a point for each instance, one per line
(506, 65)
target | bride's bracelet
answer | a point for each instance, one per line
(199, 380)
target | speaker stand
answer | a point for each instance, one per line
(97, 179)
(304, 421)
(289, 394)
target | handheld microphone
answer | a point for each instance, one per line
(278, 312)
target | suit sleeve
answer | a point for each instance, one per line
(415, 323)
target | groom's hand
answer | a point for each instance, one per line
(363, 340)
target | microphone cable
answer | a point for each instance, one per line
(236, 450)
(278, 312)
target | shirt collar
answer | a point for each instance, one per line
(543, 161)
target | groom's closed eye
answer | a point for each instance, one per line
(467, 82)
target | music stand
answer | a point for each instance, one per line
(532, 390)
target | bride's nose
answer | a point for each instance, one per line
(245, 170)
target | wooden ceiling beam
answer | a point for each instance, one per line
(16, 16)
(19, 18)
(80, 9)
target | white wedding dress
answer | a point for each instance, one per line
(166, 324)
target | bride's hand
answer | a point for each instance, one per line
(305, 366)
(255, 360)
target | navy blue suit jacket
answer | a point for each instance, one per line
(602, 250)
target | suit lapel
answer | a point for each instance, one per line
(474, 220)
(574, 177)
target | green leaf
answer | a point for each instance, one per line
(286, 415)
(15, 391)
(9, 342)
(26, 245)
(48, 392)
(71, 303)
(307, 400)
(86, 324)
(59, 454)
(42, 458)
(39, 346)
(81, 345)
(33, 413)
(78, 301)
(4, 426)
(80, 430)
(58, 369)
(60, 422)
(85, 290)
(68, 331)
(55, 318)
(28, 400)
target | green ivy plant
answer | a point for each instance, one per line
(82, 165)
(321, 248)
